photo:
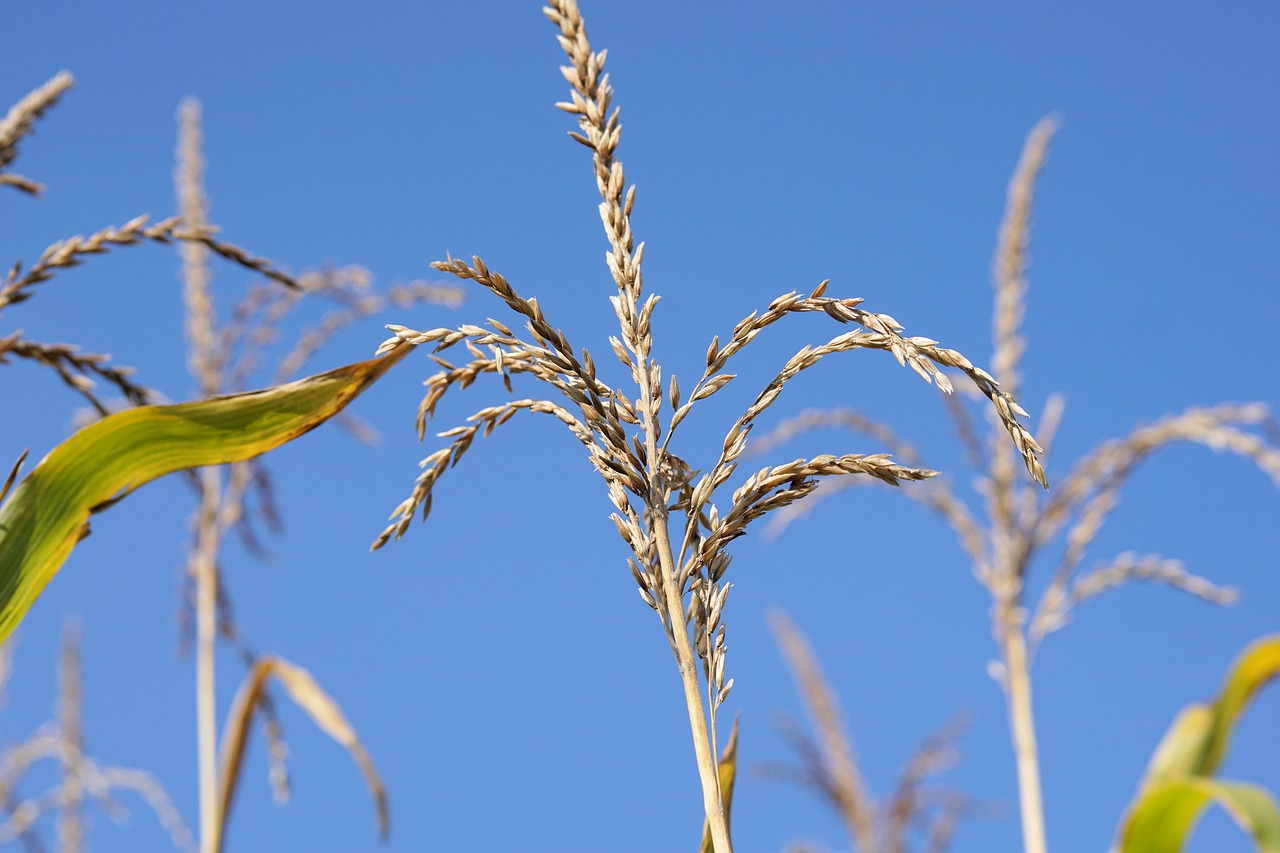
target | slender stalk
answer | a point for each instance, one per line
(204, 569)
(1011, 502)
(71, 722)
(703, 746)
(1022, 727)
(708, 771)
(204, 363)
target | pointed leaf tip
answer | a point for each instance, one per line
(42, 519)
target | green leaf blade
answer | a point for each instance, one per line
(1179, 783)
(42, 519)
(1168, 812)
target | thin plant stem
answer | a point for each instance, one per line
(204, 568)
(201, 323)
(71, 724)
(686, 659)
(1009, 540)
(708, 771)
(1022, 726)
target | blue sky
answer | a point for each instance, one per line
(512, 688)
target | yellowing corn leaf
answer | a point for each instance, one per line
(1258, 665)
(1179, 783)
(1197, 741)
(322, 709)
(48, 512)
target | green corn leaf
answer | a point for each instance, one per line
(1179, 783)
(1168, 812)
(48, 512)
(1252, 670)
(1197, 741)
(1182, 746)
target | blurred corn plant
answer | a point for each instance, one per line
(80, 777)
(664, 509)
(221, 356)
(80, 370)
(105, 460)
(917, 815)
(1020, 520)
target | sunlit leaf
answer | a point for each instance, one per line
(1197, 741)
(1252, 670)
(1179, 783)
(1180, 749)
(48, 512)
(1168, 812)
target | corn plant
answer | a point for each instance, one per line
(664, 507)
(1021, 521)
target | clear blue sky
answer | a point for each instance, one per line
(508, 681)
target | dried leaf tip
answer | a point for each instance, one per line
(13, 474)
